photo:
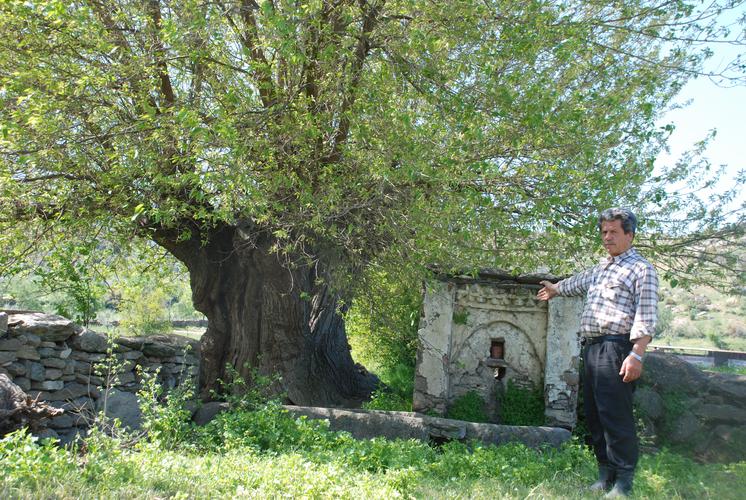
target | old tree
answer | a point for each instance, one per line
(277, 148)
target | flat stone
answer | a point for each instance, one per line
(75, 406)
(89, 341)
(125, 378)
(209, 411)
(721, 413)
(366, 424)
(89, 379)
(91, 357)
(131, 355)
(10, 344)
(65, 353)
(122, 405)
(53, 373)
(47, 434)
(83, 367)
(63, 421)
(54, 363)
(28, 352)
(23, 382)
(36, 371)
(16, 369)
(3, 322)
(48, 385)
(46, 343)
(46, 352)
(75, 435)
(7, 357)
(49, 327)
(649, 402)
(72, 390)
(30, 339)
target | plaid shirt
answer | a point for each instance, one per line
(622, 296)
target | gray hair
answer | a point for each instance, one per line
(629, 221)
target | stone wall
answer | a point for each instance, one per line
(70, 367)
(700, 413)
(477, 334)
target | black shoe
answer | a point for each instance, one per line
(622, 486)
(606, 478)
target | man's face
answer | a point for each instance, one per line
(615, 240)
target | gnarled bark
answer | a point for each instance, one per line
(18, 410)
(265, 313)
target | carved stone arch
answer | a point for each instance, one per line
(524, 363)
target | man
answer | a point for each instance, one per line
(617, 324)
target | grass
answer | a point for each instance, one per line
(267, 454)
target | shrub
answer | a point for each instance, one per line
(469, 407)
(521, 406)
(27, 462)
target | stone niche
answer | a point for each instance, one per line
(476, 334)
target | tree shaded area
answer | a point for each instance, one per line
(278, 148)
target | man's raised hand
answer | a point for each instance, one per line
(549, 291)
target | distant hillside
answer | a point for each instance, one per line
(701, 317)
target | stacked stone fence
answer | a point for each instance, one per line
(84, 372)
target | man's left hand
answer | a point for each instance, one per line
(631, 369)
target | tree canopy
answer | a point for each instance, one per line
(335, 132)
(360, 123)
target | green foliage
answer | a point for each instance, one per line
(143, 311)
(383, 399)
(665, 318)
(398, 391)
(717, 340)
(469, 407)
(521, 406)
(165, 417)
(460, 317)
(383, 320)
(68, 271)
(268, 454)
(248, 393)
(736, 370)
(32, 464)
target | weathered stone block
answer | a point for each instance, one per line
(7, 357)
(47, 326)
(10, 344)
(36, 371)
(649, 403)
(48, 385)
(53, 373)
(72, 390)
(64, 421)
(54, 363)
(65, 352)
(23, 382)
(47, 352)
(47, 343)
(89, 341)
(28, 352)
(91, 357)
(16, 369)
(3, 323)
(122, 405)
(30, 339)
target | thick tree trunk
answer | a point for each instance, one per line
(267, 314)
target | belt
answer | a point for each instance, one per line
(603, 338)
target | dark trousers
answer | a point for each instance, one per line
(608, 405)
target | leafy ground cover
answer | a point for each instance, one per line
(263, 452)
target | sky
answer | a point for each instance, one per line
(712, 106)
